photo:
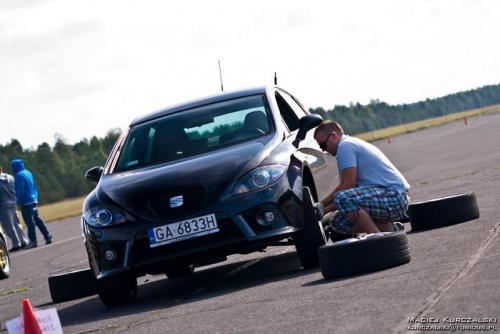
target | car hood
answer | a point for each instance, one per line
(213, 173)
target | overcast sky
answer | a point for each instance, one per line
(80, 68)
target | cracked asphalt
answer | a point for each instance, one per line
(453, 272)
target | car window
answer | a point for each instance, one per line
(194, 131)
(297, 108)
(287, 114)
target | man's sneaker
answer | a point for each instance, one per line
(397, 226)
(31, 245)
(48, 241)
(23, 246)
(15, 249)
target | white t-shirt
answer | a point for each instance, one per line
(373, 168)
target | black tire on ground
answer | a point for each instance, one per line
(308, 240)
(363, 255)
(445, 211)
(116, 290)
(71, 285)
(4, 260)
(181, 271)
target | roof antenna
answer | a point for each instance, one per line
(275, 79)
(220, 73)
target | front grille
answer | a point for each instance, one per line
(191, 199)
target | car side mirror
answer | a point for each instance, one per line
(306, 123)
(94, 174)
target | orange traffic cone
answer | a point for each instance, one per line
(29, 317)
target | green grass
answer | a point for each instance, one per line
(73, 207)
(60, 210)
(14, 291)
(412, 127)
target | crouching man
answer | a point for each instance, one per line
(372, 194)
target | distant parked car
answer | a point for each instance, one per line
(4, 256)
(194, 183)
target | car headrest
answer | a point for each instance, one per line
(256, 119)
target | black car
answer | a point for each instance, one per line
(4, 256)
(192, 184)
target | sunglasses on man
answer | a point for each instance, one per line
(323, 144)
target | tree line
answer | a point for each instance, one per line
(357, 118)
(59, 171)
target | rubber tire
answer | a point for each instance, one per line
(4, 260)
(364, 256)
(178, 272)
(445, 211)
(117, 290)
(312, 237)
(72, 285)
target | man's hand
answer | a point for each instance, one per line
(319, 209)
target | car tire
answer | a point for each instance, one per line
(181, 271)
(71, 285)
(116, 291)
(4, 260)
(312, 237)
(443, 211)
(365, 254)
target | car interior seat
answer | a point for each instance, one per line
(169, 143)
(254, 123)
(256, 120)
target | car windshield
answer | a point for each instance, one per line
(192, 131)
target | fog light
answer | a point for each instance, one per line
(269, 217)
(110, 255)
(265, 218)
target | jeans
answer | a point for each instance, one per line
(32, 218)
(12, 226)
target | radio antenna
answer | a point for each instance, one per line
(220, 73)
(275, 79)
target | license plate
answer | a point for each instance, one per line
(183, 230)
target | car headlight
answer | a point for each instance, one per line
(103, 216)
(259, 178)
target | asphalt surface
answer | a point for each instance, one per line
(453, 271)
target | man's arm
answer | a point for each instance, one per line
(348, 181)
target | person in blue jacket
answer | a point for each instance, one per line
(27, 198)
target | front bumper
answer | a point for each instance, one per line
(241, 231)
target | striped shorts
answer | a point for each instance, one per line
(383, 205)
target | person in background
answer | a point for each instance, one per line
(372, 194)
(8, 213)
(27, 198)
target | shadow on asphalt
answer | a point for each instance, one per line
(202, 285)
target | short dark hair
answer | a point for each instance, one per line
(330, 126)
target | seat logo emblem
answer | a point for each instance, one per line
(176, 201)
